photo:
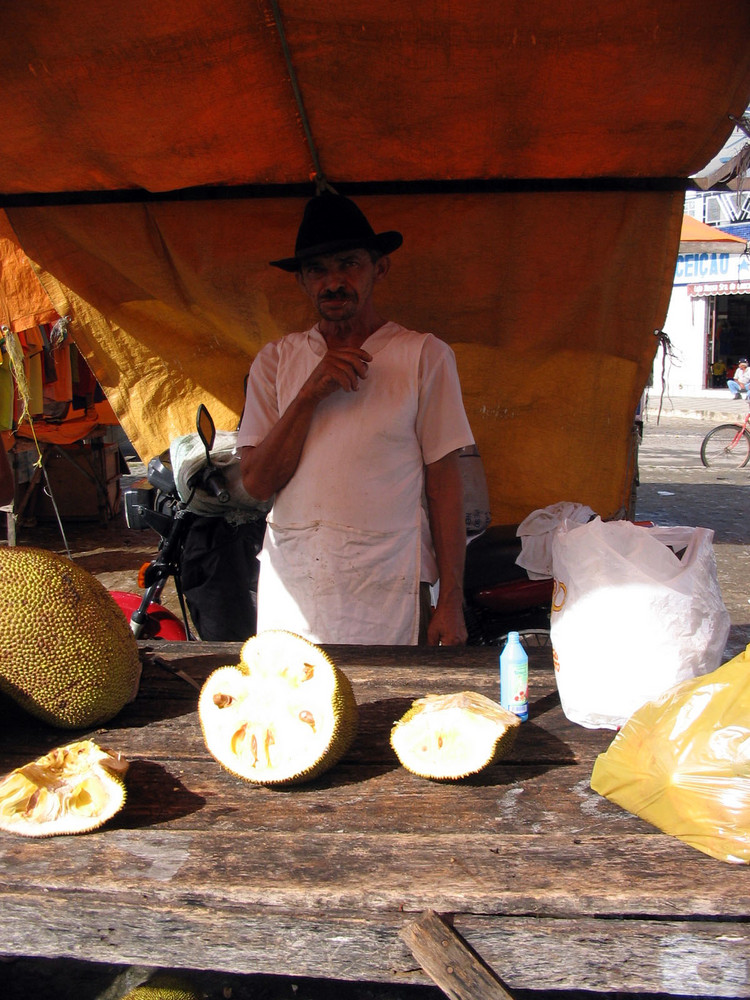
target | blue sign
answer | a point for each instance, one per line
(701, 266)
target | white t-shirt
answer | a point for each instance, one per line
(362, 465)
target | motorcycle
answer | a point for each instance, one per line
(499, 596)
(210, 534)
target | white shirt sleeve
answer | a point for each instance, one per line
(442, 425)
(261, 411)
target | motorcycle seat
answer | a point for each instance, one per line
(491, 559)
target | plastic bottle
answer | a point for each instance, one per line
(514, 677)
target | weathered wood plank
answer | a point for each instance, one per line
(550, 875)
(507, 798)
(163, 717)
(697, 958)
(458, 972)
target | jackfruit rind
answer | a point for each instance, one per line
(164, 986)
(283, 715)
(67, 654)
(71, 789)
(450, 736)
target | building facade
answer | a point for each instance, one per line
(708, 322)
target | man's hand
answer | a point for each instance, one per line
(447, 626)
(341, 368)
(270, 465)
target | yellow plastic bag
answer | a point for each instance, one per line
(682, 762)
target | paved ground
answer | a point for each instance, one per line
(675, 490)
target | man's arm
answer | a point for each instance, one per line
(444, 491)
(269, 466)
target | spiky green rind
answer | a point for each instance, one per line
(164, 986)
(67, 655)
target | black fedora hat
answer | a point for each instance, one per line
(331, 223)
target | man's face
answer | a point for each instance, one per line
(340, 285)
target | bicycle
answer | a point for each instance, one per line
(727, 446)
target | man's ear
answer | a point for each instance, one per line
(382, 267)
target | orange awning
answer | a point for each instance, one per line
(697, 237)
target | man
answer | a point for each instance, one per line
(348, 425)
(741, 381)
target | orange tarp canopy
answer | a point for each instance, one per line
(533, 155)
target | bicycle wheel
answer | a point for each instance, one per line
(726, 446)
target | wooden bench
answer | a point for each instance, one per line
(550, 885)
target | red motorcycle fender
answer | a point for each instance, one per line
(168, 625)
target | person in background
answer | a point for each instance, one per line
(740, 381)
(348, 425)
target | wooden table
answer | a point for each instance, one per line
(554, 886)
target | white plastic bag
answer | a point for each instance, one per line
(188, 456)
(635, 611)
(537, 531)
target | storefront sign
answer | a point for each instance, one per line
(711, 267)
(702, 265)
(719, 288)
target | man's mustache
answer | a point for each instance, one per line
(334, 296)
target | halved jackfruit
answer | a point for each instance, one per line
(283, 715)
(72, 789)
(453, 735)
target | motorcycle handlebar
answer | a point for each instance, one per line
(212, 481)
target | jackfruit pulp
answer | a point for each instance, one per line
(72, 789)
(451, 736)
(67, 654)
(284, 714)
(165, 987)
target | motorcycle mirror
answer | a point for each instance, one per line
(205, 427)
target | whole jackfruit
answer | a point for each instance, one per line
(67, 654)
(164, 986)
(450, 736)
(72, 789)
(283, 715)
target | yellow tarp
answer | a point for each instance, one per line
(553, 348)
(23, 300)
(549, 294)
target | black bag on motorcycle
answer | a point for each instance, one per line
(220, 577)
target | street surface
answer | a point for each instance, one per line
(676, 489)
